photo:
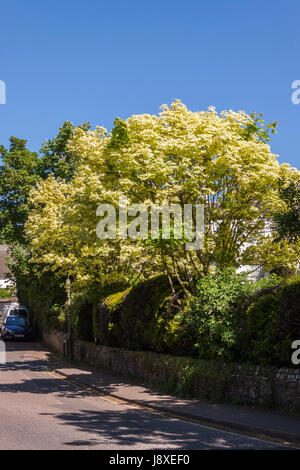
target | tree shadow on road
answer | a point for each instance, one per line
(135, 428)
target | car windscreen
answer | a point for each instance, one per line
(20, 312)
(18, 321)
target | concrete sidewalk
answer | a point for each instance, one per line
(285, 428)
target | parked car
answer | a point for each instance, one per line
(16, 327)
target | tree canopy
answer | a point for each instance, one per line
(222, 161)
(21, 170)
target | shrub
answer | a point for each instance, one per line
(214, 312)
(5, 293)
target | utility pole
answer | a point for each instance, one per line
(68, 291)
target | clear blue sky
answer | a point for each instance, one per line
(94, 60)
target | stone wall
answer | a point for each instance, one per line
(55, 340)
(265, 386)
(10, 300)
(270, 387)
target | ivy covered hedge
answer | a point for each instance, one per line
(45, 298)
(273, 323)
(228, 318)
(142, 318)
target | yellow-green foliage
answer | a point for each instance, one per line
(5, 293)
(114, 300)
(178, 156)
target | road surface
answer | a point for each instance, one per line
(41, 411)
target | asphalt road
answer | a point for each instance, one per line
(40, 411)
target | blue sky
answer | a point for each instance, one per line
(94, 60)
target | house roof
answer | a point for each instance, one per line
(3, 268)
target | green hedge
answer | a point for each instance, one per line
(45, 298)
(142, 318)
(273, 323)
(82, 312)
(228, 318)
